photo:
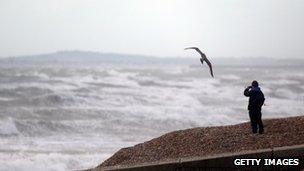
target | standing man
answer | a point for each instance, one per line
(256, 100)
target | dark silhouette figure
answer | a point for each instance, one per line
(256, 100)
(203, 58)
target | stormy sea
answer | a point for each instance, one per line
(71, 110)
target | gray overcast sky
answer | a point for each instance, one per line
(272, 28)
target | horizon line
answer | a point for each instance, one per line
(134, 54)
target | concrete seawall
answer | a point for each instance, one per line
(223, 161)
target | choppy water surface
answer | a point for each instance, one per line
(65, 117)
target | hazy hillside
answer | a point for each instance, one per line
(115, 58)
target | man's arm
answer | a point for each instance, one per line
(247, 91)
(263, 98)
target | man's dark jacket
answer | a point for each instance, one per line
(256, 98)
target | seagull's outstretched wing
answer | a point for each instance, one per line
(190, 48)
(197, 49)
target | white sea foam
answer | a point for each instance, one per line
(5, 99)
(22, 161)
(230, 77)
(8, 127)
(285, 93)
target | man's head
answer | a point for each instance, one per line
(254, 83)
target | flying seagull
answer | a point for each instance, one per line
(203, 58)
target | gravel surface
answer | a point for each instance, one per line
(199, 142)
